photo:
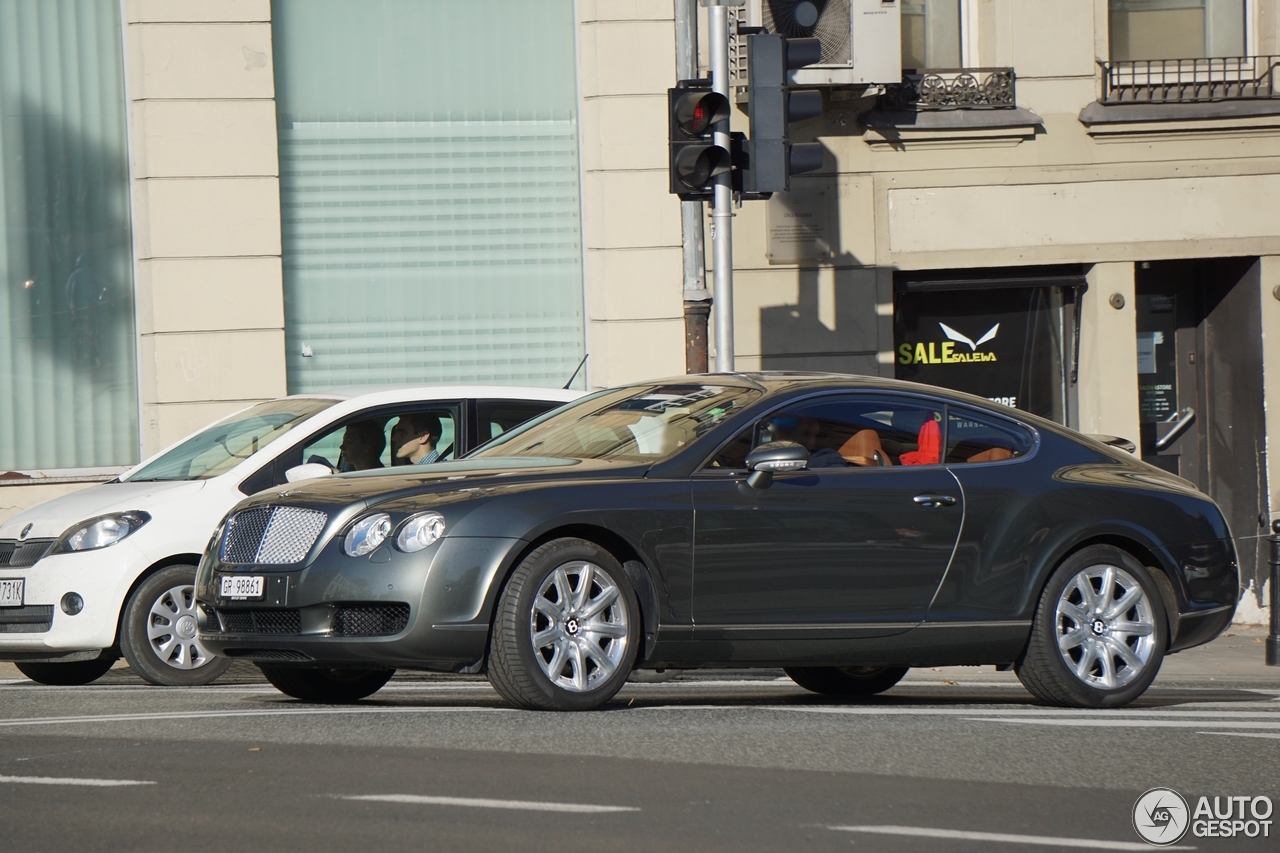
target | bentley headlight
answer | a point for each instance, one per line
(367, 534)
(420, 531)
(101, 532)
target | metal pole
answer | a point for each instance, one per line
(697, 299)
(722, 211)
(1273, 641)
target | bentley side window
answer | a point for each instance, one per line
(974, 437)
(847, 432)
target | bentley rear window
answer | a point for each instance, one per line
(629, 425)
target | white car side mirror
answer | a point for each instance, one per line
(309, 471)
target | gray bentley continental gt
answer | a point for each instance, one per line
(843, 528)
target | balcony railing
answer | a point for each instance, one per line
(953, 89)
(1189, 81)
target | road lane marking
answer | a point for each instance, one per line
(1134, 724)
(1040, 840)
(1243, 734)
(521, 805)
(205, 715)
(90, 783)
(1083, 714)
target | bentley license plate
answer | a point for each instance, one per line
(241, 587)
(11, 591)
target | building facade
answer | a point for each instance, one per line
(1066, 207)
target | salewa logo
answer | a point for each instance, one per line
(945, 353)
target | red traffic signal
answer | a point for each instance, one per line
(693, 110)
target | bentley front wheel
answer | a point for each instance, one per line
(567, 629)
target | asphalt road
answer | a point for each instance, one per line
(708, 761)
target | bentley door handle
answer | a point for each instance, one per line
(934, 500)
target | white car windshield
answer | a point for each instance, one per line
(645, 424)
(229, 442)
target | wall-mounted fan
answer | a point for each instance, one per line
(825, 20)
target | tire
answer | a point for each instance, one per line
(1085, 651)
(158, 632)
(567, 629)
(849, 681)
(327, 686)
(69, 673)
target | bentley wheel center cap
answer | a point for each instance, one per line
(571, 627)
(1099, 627)
(186, 627)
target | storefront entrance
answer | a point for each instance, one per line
(1200, 387)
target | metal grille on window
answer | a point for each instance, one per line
(272, 535)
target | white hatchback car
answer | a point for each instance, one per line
(109, 570)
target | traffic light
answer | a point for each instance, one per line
(692, 110)
(774, 157)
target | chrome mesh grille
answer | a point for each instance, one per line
(272, 535)
(267, 654)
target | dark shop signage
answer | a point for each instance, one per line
(998, 343)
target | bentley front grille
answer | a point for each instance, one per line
(271, 535)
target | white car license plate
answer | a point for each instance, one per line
(239, 586)
(11, 591)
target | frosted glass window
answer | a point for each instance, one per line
(429, 191)
(68, 387)
(1176, 29)
(931, 34)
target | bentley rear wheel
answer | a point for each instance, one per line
(846, 680)
(567, 629)
(1099, 633)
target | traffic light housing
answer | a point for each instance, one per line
(773, 107)
(695, 160)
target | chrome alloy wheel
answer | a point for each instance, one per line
(579, 626)
(1106, 630)
(171, 629)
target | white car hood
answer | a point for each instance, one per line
(52, 518)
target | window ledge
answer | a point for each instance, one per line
(957, 128)
(1213, 118)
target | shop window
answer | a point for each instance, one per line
(1176, 29)
(67, 358)
(931, 34)
(1001, 341)
(429, 191)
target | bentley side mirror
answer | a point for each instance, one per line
(774, 456)
(309, 471)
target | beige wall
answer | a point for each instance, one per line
(206, 200)
(1107, 388)
(631, 227)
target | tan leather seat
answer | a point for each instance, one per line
(995, 454)
(862, 447)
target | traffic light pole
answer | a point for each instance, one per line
(697, 298)
(722, 211)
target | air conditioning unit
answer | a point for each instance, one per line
(861, 39)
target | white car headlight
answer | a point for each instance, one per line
(367, 534)
(101, 532)
(420, 531)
